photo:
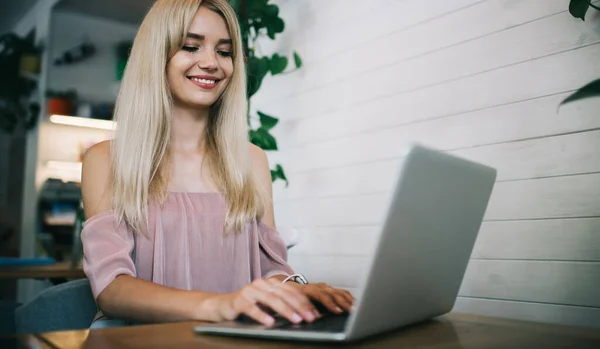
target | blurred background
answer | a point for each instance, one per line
(337, 89)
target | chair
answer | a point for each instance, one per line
(7, 317)
(67, 306)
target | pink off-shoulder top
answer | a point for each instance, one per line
(184, 248)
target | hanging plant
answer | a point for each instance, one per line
(578, 9)
(259, 19)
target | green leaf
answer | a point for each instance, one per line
(592, 89)
(257, 26)
(277, 64)
(235, 4)
(257, 70)
(266, 121)
(578, 8)
(263, 139)
(297, 60)
(278, 173)
(274, 25)
(256, 6)
(271, 10)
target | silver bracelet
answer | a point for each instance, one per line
(299, 278)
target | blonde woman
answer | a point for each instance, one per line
(179, 215)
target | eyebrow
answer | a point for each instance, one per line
(202, 37)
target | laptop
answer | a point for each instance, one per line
(433, 217)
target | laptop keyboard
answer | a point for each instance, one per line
(329, 323)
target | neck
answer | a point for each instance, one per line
(188, 128)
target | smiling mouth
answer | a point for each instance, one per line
(206, 84)
(203, 81)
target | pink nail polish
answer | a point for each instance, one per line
(296, 318)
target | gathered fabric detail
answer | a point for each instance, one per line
(184, 248)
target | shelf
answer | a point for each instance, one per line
(83, 122)
(60, 220)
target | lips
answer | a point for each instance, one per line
(205, 82)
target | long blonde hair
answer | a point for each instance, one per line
(139, 152)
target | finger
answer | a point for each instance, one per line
(271, 298)
(348, 296)
(257, 314)
(341, 300)
(327, 300)
(297, 300)
(246, 304)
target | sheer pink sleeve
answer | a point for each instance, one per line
(106, 251)
(273, 253)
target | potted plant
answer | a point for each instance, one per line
(61, 102)
(18, 56)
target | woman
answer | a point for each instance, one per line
(179, 212)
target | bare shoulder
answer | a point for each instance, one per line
(98, 152)
(258, 157)
(95, 178)
(96, 159)
(260, 166)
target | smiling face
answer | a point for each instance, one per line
(200, 71)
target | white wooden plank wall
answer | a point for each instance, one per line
(479, 79)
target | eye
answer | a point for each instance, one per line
(190, 48)
(225, 53)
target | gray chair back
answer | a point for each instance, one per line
(67, 306)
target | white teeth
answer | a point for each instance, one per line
(204, 81)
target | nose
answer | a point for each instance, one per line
(208, 61)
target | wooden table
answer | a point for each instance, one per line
(447, 332)
(53, 271)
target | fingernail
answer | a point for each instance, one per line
(338, 309)
(269, 320)
(309, 315)
(296, 318)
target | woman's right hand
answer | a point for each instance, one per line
(284, 299)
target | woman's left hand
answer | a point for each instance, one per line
(335, 300)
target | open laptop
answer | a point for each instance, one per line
(433, 217)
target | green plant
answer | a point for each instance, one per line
(260, 19)
(591, 89)
(122, 51)
(16, 110)
(578, 9)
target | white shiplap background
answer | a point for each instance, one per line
(480, 79)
